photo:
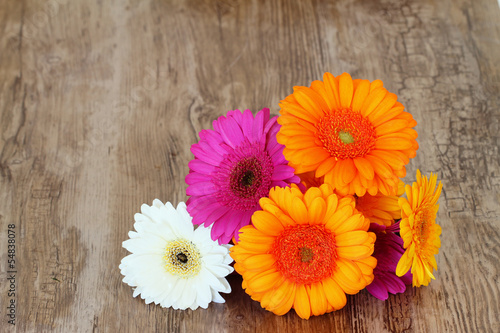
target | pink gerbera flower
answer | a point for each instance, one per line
(235, 165)
(388, 250)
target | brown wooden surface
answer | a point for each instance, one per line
(101, 100)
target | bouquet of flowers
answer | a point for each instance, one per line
(310, 205)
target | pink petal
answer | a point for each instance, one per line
(201, 188)
(378, 289)
(200, 153)
(282, 172)
(231, 132)
(246, 125)
(198, 165)
(195, 177)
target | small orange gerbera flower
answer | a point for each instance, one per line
(379, 208)
(305, 251)
(309, 179)
(353, 132)
(419, 230)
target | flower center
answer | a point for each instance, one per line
(305, 253)
(182, 258)
(247, 178)
(424, 219)
(346, 134)
(244, 177)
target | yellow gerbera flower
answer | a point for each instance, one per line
(353, 132)
(419, 230)
(305, 251)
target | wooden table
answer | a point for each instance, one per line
(100, 102)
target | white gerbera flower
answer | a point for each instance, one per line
(171, 263)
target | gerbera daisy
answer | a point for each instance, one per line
(235, 165)
(388, 251)
(171, 264)
(352, 132)
(305, 251)
(379, 208)
(419, 230)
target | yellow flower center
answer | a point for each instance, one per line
(305, 253)
(346, 134)
(182, 258)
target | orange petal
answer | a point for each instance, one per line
(345, 90)
(372, 101)
(391, 126)
(348, 170)
(364, 167)
(360, 95)
(325, 167)
(311, 101)
(332, 89)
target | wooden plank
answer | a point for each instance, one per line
(101, 100)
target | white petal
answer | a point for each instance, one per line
(182, 210)
(211, 279)
(204, 295)
(227, 286)
(216, 297)
(227, 259)
(213, 259)
(220, 270)
(177, 292)
(157, 203)
(149, 245)
(188, 296)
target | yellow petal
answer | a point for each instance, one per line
(298, 211)
(334, 294)
(264, 281)
(404, 264)
(351, 238)
(267, 223)
(316, 211)
(354, 252)
(260, 262)
(302, 303)
(318, 299)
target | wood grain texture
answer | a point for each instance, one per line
(101, 100)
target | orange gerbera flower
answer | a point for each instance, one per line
(305, 251)
(352, 132)
(419, 230)
(379, 208)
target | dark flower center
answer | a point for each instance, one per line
(306, 254)
(247, 178)
(182, 257)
